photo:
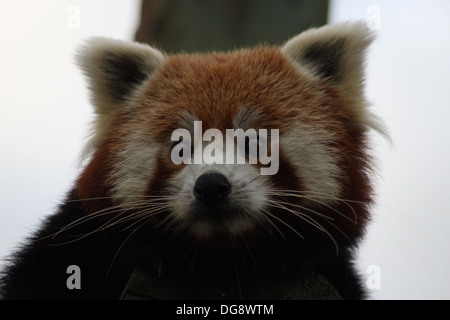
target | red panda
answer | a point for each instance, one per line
(134, 206)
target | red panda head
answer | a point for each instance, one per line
(307, 95)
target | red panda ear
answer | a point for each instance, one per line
(115, 69)
(335, 52)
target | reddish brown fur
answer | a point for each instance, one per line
(213, 88)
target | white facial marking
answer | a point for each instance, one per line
(315, 163)
(134, 169)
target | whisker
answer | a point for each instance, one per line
(144, 214)
(295, 193)
(299, 214)
(308, 219)
(275, 226)
(117, 210)
(283, 222)
(86, 218)
(118, 250)
(306, 208)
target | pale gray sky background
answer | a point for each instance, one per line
(45, 114)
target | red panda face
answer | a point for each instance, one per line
(165, 129)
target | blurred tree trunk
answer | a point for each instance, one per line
(205, 25)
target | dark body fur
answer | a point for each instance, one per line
(107, 258)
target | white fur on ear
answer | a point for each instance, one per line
(115, 69)
(337, 53)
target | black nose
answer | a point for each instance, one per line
(211, 187)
